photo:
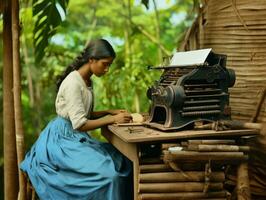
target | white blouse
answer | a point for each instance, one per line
(74, 100)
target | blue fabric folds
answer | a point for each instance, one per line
(65, 164)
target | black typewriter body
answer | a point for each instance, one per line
(186, 94)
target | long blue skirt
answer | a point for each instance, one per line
(65, 164)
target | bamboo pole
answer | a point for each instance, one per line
(204, 156)
(229, 124)
(218, 148)
(155, 160)
(211, 142)
(183, 195)
(154, 168)
(185, 176)
(166, 146)
(258, 106)
(234, 124)
(17, 97)
(177, 187)
(207, 180)
(243, 188)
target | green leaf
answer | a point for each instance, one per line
(146, 3)
(48, 17)
(40, 7)
(63, 4)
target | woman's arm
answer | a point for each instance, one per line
(122, 117)
(98, 114)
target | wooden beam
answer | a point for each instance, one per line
(177, 187)
(243, 188)
(205, 156)
(184, 176)
(183, 195)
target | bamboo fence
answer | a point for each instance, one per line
(238, 29)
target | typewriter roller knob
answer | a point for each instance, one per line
(231, 77)
(171, 95)
(175, 96)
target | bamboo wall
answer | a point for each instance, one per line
(237, 29)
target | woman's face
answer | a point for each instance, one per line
(101, 66)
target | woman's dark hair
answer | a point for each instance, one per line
(96, 49)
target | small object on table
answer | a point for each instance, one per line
(137, 120)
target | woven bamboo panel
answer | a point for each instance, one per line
(237, 29)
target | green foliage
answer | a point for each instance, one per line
(128, 79)
(49, 15)
(58, 41)
(146, 3)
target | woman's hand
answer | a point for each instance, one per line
(117, 111)
(122, 117)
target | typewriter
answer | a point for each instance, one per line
(193, 87)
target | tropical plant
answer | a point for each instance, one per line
(49, 14)
(46, 49)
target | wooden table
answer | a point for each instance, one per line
(127, 140)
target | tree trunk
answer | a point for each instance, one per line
(158, 31)
(38, 107)
(136, 102)
(10, 157)
(29, 75)
(127, 32)
(93, 22)
(17, 96)
(151, 38)
(1, 6)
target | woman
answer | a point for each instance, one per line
(65, 163)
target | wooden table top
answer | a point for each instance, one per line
(135, 134)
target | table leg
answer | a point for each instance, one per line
(136, 178)
(243, 188)
(130, 150)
